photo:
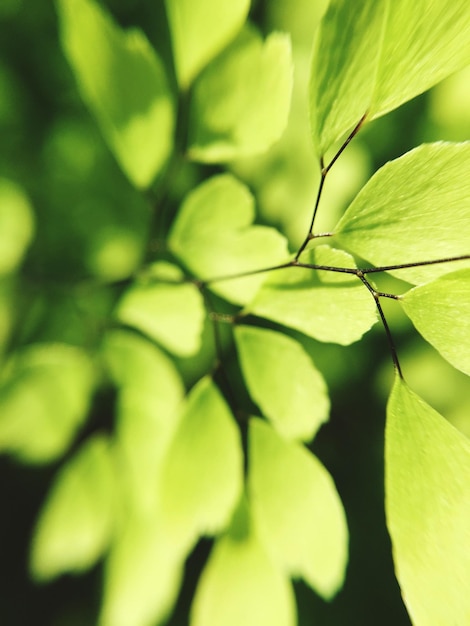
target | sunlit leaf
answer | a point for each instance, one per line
(372, 56)
(45, 393)
(16, 225)
(283, 381)
(440, 310)
(344, 67)
(123, 82)
(327, 306)
(202, 474)
(428, 509)
(297, 510)
(76, 523)
(214, 236)
(201, 30)
(413, 209)
(166, 309)
(241, 102)
(240, 583)
(142, 576)
(150, 394)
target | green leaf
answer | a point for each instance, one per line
(142, 576)
(379, 54)
(241, 101)
(297, 510)
(76, 523)
(200, 31)
(45, 393)
(150, 394)
(328, 306)
(427, 464)
(202, 473)
(344, 66)
(16, 225)
(123, 82)
(166, 309)
(413, 209)
(440, 310)
(283, 381)
(240, 583)
(214, 236)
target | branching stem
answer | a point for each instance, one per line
(324, 173)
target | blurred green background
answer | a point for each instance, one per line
(89, 231)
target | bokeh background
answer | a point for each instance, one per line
(89, 234)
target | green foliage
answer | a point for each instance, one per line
(371, 60)
(428, 508)
(76, 524)
(123, 82)
(241, 102)
(170, 306)
(290, 391)
(383, 226)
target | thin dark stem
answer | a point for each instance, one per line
(262, 270)
(351, 136)
(376, 295)
(324, 173)
(403, 266)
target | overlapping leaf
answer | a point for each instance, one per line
(283, 381)
(202, 473)
(123, 82)
(214, 236)
(413, 209)
(428, 509)
(297, 510)
(201, 30)
(166, 309)
(150, 394)
(240, 583)
(44, 398)
(327, 306)
(372, 56)
(440, 310)
(76, 523)
(16, 225)
(143, 574)
(241, 102)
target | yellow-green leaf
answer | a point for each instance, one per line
(297, 510)
(427, 464)
(76, 523)
(283, 381)
(123, 82)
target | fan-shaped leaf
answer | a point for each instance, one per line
(241, 101)
(202, 473)
(150, 394)
(44, 399)
(372, 56)
(297, 510)
(123, 82)
(413, 209)
(428, 509)
(283, 381)
(166, 309)
(214, 236)
(75, 525)
(440, 310)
